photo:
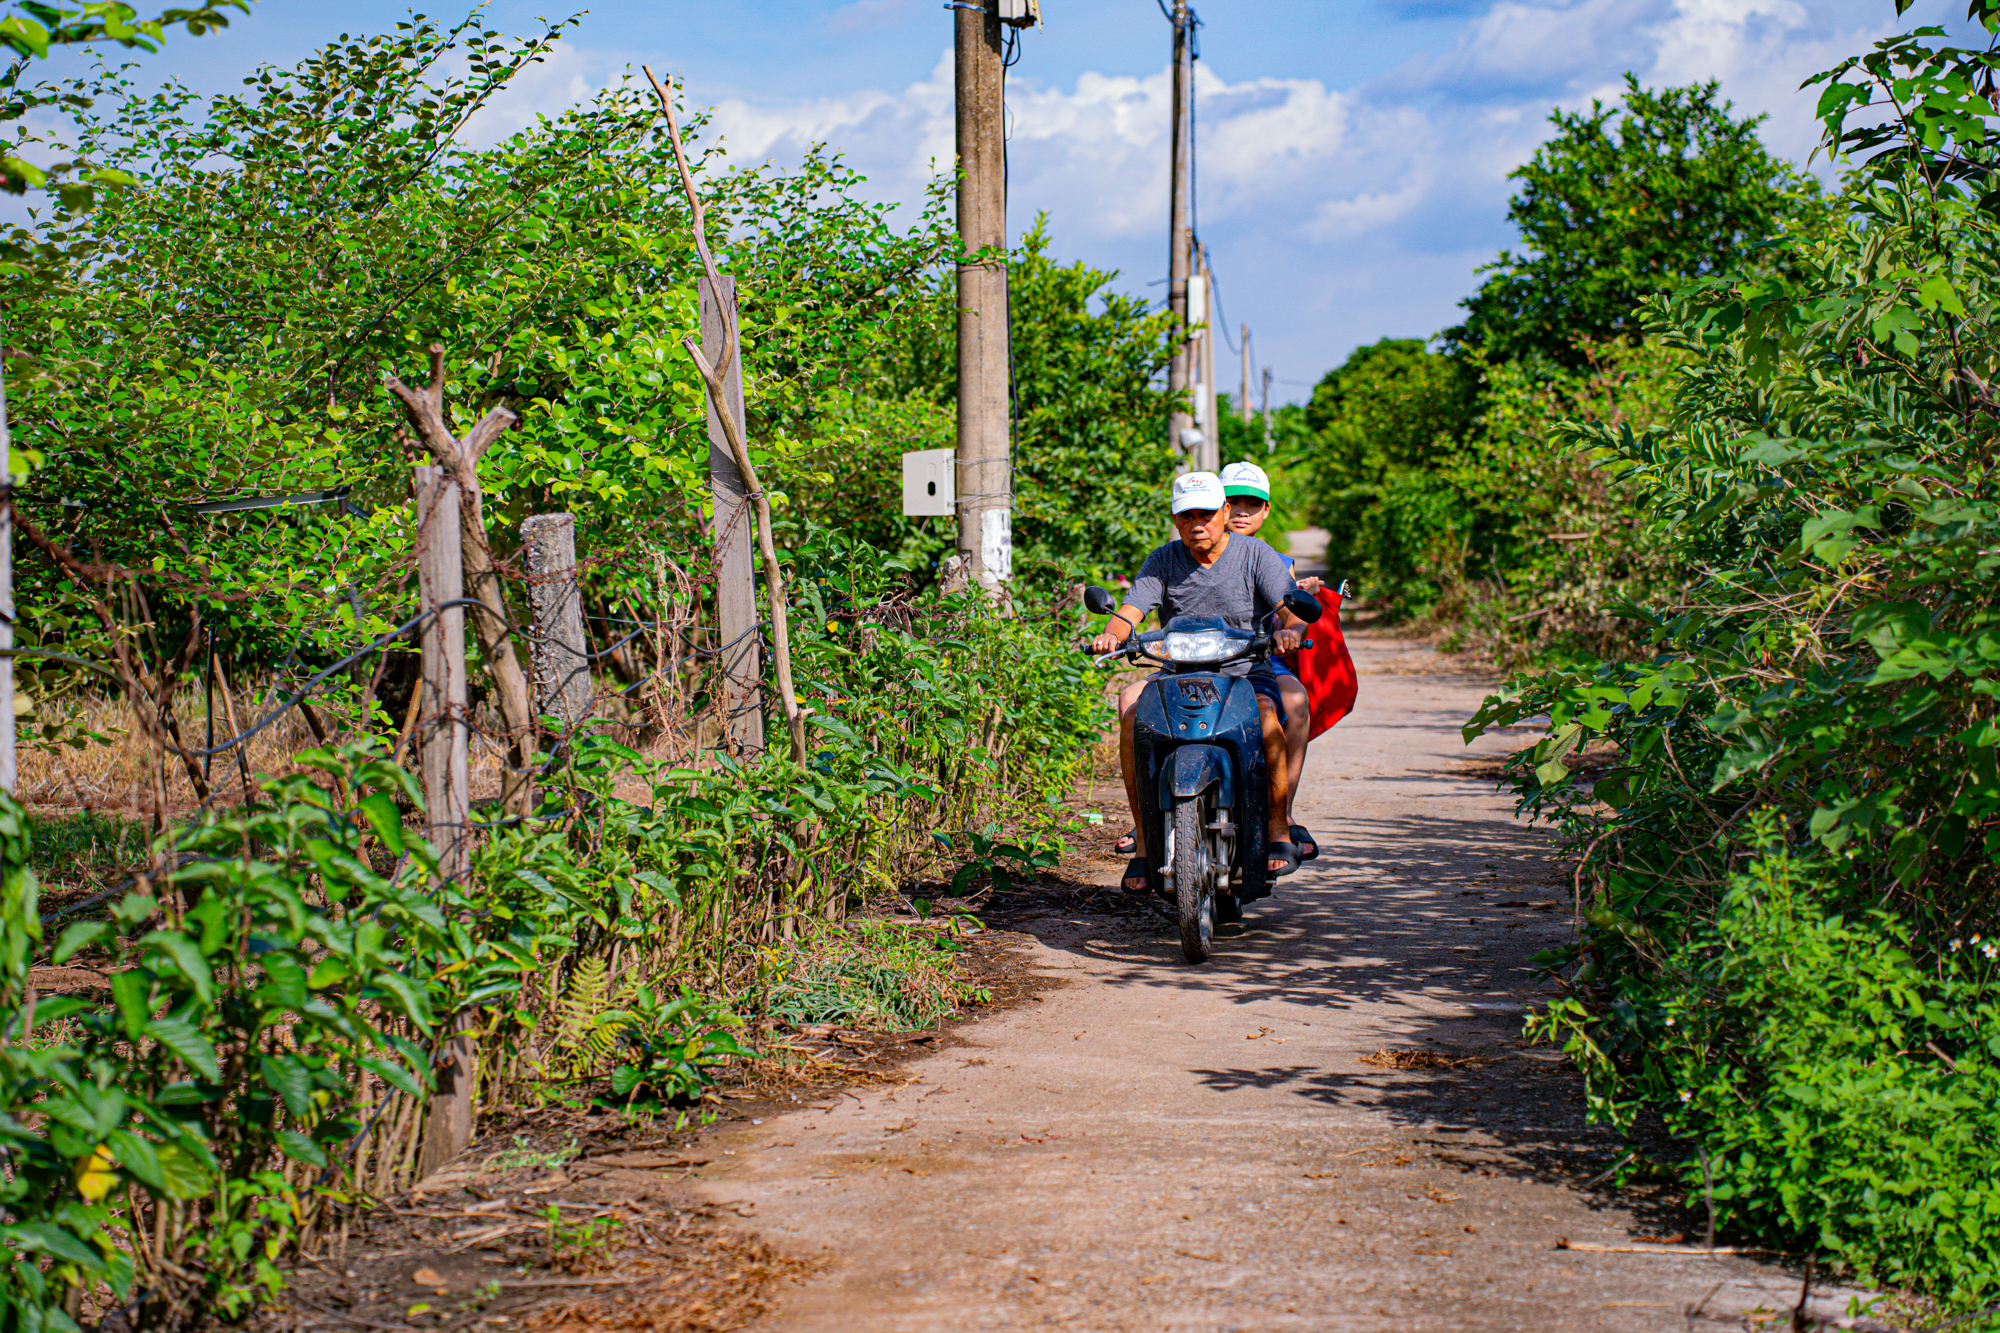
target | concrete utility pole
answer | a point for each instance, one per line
(985, 472)
(1211, 415)
(1243, 399)
(1180, 240)
(1270, 445)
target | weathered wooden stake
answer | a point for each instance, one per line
(742, 659)
(562, 665)
(459, 457)
(444, 731)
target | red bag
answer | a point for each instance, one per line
(1326, 669)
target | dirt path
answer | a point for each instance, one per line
(1156, 1146)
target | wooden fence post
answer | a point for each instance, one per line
(443, 731)
(735, 584)
(562, 665)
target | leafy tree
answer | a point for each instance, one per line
(1628, 202)
(1381, 423)
(1090, 459)
(29, 30)
(221, 329)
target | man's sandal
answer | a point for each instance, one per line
(1127, 844)
(1137, 869)
(1302, 840)
(1281, 851)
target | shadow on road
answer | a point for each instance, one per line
(1426, 920)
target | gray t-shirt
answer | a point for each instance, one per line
(1246, 582)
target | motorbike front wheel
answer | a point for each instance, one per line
(1194, 874)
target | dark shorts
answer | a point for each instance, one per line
(1265, 682)
(1278, 667)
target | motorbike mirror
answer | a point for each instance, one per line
(1305, 607)
(1099, 602)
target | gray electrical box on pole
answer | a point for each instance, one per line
(985, 490)
(930, 483)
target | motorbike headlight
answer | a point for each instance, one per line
(1209, 645)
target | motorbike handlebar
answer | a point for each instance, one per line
(1131, 648)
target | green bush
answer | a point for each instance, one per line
(1845, 1091)
(278, 992)
(143, 1137)
(1789, 874)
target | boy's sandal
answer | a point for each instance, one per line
(1128, 844)
(1281, 851)
(1304, 840)
(1137, 869)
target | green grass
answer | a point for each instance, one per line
(871, 974)
(81, 850)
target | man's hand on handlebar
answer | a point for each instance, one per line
(1126, 618)
(1288, 639)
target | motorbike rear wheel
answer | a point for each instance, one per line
(1194, 874)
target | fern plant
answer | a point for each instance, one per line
(585, 1024)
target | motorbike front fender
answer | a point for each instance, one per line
(1192, 769)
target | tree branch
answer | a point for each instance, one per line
(732, 431)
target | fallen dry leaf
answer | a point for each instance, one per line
(1390, 1058)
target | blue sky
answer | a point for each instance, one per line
(1353, 153)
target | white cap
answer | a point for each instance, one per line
(1198, 490)
(1246, 479)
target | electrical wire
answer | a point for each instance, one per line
(1220, 314)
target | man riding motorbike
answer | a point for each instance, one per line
(1211, 572)
(1249, 492)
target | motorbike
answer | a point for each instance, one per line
(1204, 793)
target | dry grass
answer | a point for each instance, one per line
(111, 765)
(117, 773)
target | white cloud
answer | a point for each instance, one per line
(1336, 215)
(1338, 219)
(562, 78)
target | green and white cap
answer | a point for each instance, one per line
(1246, 479)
